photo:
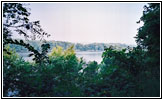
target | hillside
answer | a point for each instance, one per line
(77, 46)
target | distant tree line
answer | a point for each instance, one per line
(77, 46)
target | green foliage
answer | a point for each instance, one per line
(149, 34)
(121, 70)
(15, 71)
(58, 51)
(121, 73)
(128, 73)
(135, 72)
(57, 78)
(148, 38)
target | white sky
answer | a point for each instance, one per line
(89, 22)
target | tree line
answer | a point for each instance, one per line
(77, 46)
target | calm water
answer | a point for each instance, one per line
(87, 56)
(90, 56)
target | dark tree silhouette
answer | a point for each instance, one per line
(16, 21)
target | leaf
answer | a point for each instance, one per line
(34, 59)
(16, 41)
(30, 54)
(21, 41)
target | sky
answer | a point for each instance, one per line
(89, 22)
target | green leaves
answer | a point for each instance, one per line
(148, 38)
(120, 74)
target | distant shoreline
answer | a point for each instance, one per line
(78, 47)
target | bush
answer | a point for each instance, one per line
(57, 78)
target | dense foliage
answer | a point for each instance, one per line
(130, 72)
(148, 37)
(16, 21)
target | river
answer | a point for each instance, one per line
(87, 56)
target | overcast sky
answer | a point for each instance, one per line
(89, 22)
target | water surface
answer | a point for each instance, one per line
(87, 56)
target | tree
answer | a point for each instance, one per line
(148, 36)
(136, 72)
(16, 21)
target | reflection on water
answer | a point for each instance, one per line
(87, 56)
(90, 56)
(25, 56)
